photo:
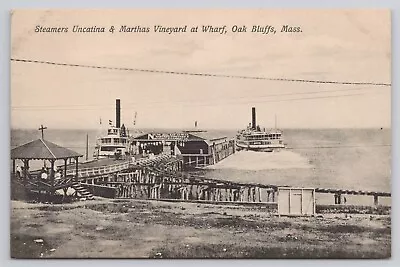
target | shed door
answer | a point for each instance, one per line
(295, 202)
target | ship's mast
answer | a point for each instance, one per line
(134, 119)
(134, 130)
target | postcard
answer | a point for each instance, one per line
(205, 134)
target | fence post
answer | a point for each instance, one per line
(376, 201)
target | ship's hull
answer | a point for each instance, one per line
(262, 148)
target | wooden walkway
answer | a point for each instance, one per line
(100, 170)
(96, 171)
(339, 194)
(353, 192)
(161, 177)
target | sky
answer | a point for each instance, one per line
(334, 45)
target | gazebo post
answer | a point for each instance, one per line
(25, 169)
(13, 166)
(65, 168)
(52, 172)
(76, 168)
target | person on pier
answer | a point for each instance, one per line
(43, 174)
(18, 172)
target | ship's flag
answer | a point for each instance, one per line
(134, 119)
(110, 122)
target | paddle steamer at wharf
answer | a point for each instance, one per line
(253, 138)
(197, 148)
(117, 142)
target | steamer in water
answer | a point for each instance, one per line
(116, 143)
(255, 139)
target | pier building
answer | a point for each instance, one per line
(197, 148)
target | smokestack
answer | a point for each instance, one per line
(118, 113)
(253, 118)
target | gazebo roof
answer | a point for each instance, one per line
(42, 149)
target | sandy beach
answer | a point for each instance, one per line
(150, 229)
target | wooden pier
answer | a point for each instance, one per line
(161, 178)
(339, 194)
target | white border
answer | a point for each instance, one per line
(7, 5)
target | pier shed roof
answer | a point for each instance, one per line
(183, 136)
(211, 136)
(42, 149)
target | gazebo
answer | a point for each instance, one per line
(41, 149)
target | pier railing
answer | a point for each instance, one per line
(159, 178)
(114, 168)
(95, 171)
(340, 193)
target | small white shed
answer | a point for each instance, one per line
(296, 201)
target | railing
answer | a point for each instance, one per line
(340, 193)
(149, 161)
(352, 192)
(63, 181)
(95, 171)
(107, 169)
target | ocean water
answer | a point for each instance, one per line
(340, 158)
(358, 159)
(354, 159)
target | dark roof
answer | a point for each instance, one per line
(42, 149)
(191, 135)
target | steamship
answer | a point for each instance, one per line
(116, 142)
(255, 139)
